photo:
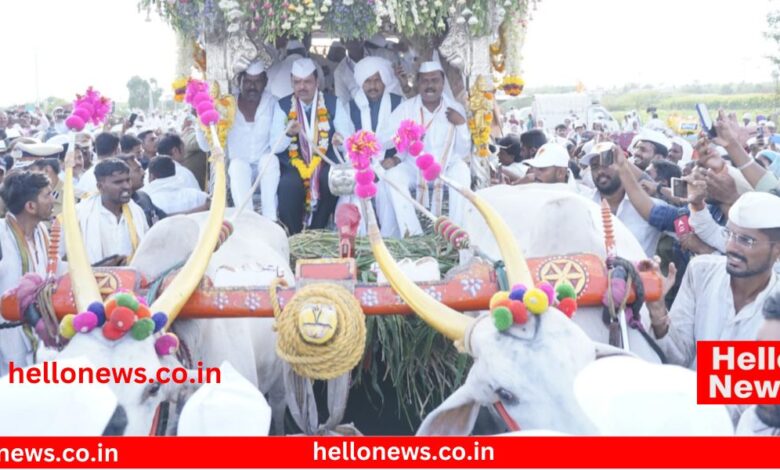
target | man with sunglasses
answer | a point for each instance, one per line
(721, 298)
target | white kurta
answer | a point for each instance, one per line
(704, 310)
(249, 152)
(435, 140)
(14, 345)
(646, 234)
(172, 198)
(708, 230)
(103, 234)
(341, 123)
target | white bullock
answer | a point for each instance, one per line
(255, 253)
(546, 375)
(549, 220)
(532, 369)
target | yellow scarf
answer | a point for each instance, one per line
(128, 215)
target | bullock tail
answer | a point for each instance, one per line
(622, 276)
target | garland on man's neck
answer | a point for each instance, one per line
(322, 130)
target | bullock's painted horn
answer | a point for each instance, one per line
(187, 279)
(443, 319)
(85, 287)
(516, 267)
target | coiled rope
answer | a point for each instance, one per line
(339, 354)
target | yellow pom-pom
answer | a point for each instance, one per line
(67, 330)
(498, 297)
(536, 301)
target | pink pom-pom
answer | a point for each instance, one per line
(200, 98)
(401, 145)
(74, 122)
(204, 107)
(361, 163)
(83, 113)
(364, 177)
(415, 148)
(432, 172)
(365, 191)
(166, 344)
(210, 117)
(88, 106)
(424, 161)
(85, 322)
(549, 290)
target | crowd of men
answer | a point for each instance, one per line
(716, 247)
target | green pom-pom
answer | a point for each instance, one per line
(565, 290)
(502, 318)
(127, 300)
(142, 328)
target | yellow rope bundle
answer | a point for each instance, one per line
(339, 354)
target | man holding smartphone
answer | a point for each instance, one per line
(721, 298)
(651, 145)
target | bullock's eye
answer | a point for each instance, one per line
(506, 396)
(151, 390)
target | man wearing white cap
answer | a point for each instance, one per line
(650, 145)
(307, 123)
(372, 107)
(279, 73)
(344, 83)
(550, 165)
(721, 297)
(24, 244)
(447, 136)
(249, 141)
(680, 151)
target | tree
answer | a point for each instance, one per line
(773, 21)
(138, 89)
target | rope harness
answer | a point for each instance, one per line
(622, 276)
(335, 356)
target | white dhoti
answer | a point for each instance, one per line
(460, 173)
(243, 174)
(397, 216)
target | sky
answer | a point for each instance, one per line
(603, 43)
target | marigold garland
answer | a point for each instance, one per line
(322, 126)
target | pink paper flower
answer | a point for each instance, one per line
(408, 133)
(88, 107)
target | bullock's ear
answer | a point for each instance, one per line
(455, 417)
(605, 350)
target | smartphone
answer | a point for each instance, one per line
(706, 120)
(681, 226)
(606, 153)
(679, 188)
(132, 119)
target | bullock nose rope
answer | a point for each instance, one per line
(622, 276)
(308, 357)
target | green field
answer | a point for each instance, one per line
(738, 98)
